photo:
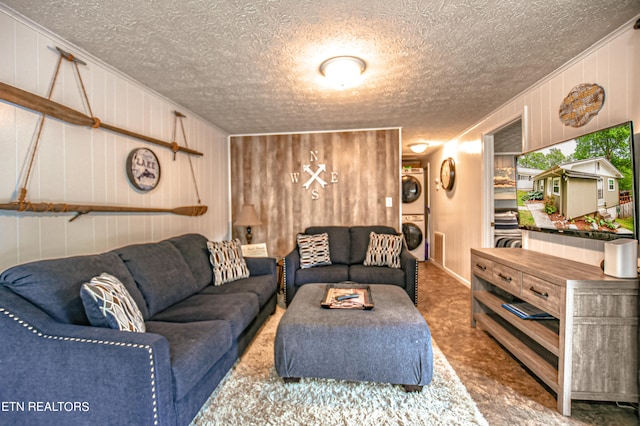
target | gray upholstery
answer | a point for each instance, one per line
(360, 240)
(390, 343)
(54, 285)
(262, 286)
(339, 242)
(237, 309)
(195, 348)
(161, 273)
(348, 249)
(193, 248)
(195, 333)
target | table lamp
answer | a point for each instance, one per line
(248, 218)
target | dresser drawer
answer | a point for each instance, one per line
(507, 278)
(541, 293)
(482, 267)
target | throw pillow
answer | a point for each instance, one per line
(314, 250)
(107, 303)
(227, 261)
(384, 250)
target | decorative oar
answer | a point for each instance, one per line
(61, 112)
(81, 209)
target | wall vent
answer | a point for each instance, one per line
(438, 248)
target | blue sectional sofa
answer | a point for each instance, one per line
(55, 368)
(348, 248)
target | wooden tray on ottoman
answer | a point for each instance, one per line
(347, 296)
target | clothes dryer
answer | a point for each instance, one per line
(413, 191)
(413, 228)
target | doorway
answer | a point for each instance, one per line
(501, 146)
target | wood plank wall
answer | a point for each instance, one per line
(362, 169)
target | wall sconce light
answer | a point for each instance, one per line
(248, 218)
(343, 71)
(419, 148)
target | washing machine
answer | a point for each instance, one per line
(412, 191)
(413, 228)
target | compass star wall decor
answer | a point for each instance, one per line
(314, 173)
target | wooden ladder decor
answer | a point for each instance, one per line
(47, 107)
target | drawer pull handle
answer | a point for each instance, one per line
(484, 268)
(539, 293)
(504, 277)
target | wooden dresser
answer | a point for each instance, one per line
(589, 350)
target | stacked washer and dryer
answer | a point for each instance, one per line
(413, 211)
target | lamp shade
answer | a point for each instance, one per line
(248, 216)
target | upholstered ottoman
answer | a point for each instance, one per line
(390, 343)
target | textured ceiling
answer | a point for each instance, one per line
(434, 67)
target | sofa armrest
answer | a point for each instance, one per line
(55, 373)
(409, 264)
(261, 266)
(291, 265)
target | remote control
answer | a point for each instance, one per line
(347, 296)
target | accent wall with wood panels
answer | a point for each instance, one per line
(308, 179)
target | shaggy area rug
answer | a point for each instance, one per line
(253, 394)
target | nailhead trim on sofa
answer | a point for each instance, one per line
(100, 342)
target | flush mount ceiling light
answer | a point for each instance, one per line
(419, 148)
(343, 71)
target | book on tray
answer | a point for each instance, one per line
(526, 311)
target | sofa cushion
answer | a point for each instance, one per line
(324, 274)
(227, 261)
(263, 286)
(360, 241)
(194, 349)
(384, 250)
(376, 275)
(54, 285)
(238, 309)
(195, 252)
(314, 250)
(107, 303)
(161, 273)
(339, 241)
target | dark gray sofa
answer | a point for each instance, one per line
(195, 331)
(348, 248)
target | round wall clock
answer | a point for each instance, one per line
(448, 173)
(143, 169)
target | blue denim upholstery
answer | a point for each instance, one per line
(238, 310)
(260, 285)
(49, 352)
(339, 242)
(194, 250)
(161, 273)
(350, 246)
(54, 285)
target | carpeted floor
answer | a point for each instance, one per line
(506, 393)
(253, 394)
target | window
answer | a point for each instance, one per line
(556, 186)
(611, 184)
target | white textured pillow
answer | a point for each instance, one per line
(314, 250)
(107, 303)
(384, 250)
(227, 261)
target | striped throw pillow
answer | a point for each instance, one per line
(384, 250)
(314, 250)
(227, 261)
